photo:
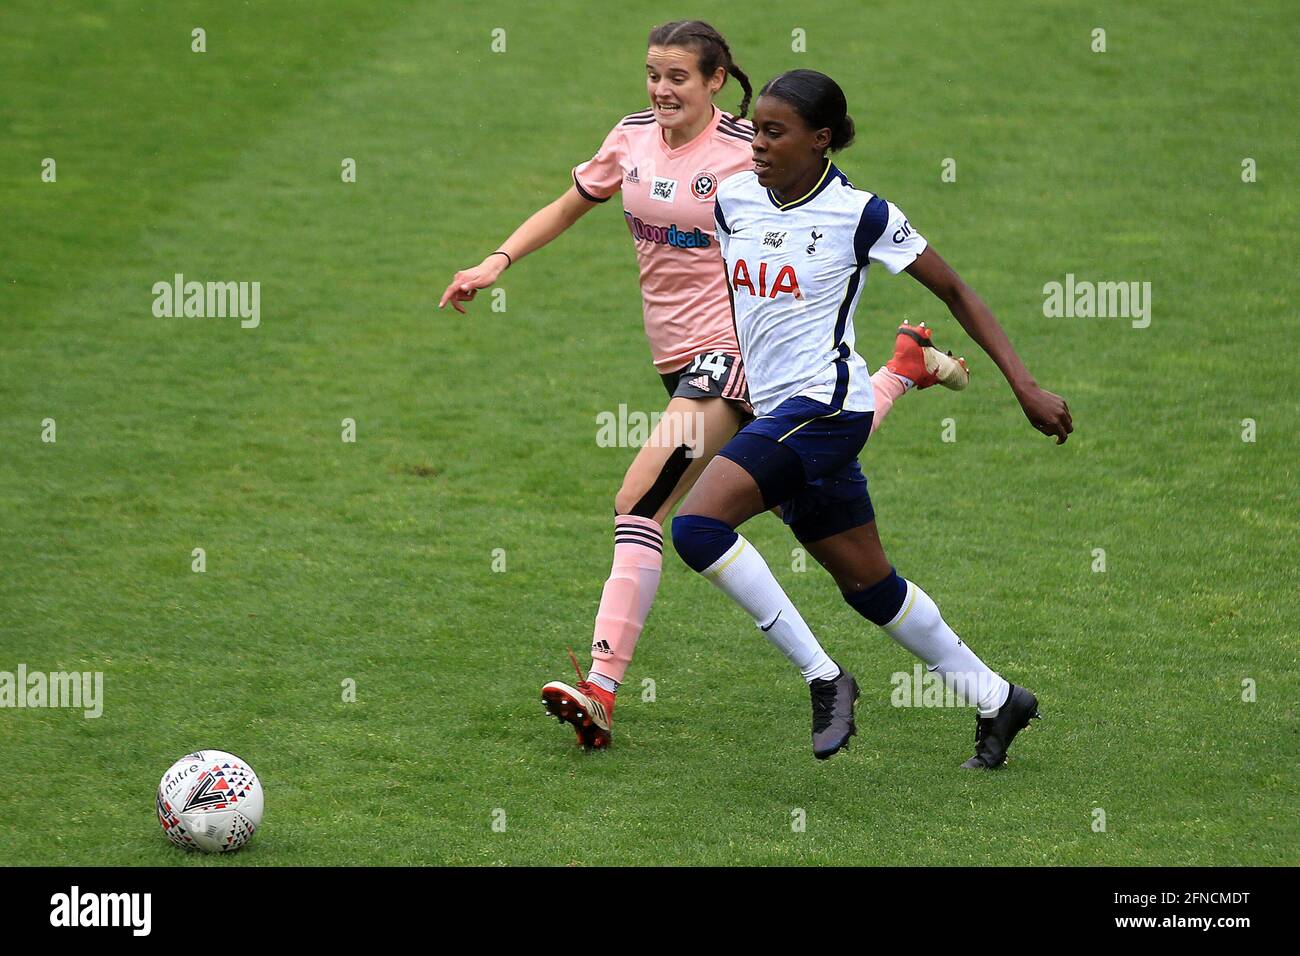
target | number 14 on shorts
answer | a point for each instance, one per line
(715, 363)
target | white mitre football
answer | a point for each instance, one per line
(210, 800)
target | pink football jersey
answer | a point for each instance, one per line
(668, 203)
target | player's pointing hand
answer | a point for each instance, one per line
(466, 283)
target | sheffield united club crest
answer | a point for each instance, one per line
(704, 185)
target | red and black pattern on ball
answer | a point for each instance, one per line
(208, 792)
(172, 825)
(219, 787)
(241, 831)
(239, 778)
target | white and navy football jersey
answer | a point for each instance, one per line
(796, 272)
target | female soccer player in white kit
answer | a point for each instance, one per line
(667, 162)
(798, 239)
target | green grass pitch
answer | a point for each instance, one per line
(372, 561)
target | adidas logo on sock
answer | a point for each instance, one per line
(600, 647)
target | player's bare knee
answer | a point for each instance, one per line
(627, 498)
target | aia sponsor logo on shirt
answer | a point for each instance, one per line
(704, 185)
(666, 235)
(786, 281)
(663, 189)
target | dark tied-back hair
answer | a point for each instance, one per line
(709, 45)
(818, 100)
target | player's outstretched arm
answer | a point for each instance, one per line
(536, 231)
(1045, 411)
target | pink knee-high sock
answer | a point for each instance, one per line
(887, 387)
(629, 592)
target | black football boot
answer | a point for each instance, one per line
(993, 735)
(832, 713)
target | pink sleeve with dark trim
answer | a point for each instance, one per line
(602, 175)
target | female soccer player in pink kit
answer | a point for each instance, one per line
(667, 161)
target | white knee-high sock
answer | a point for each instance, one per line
(743, 575)
(920, 628)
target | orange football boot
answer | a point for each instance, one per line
(588, 707)
(916, 358)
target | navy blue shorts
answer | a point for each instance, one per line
(804, 457)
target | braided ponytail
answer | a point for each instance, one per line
(741, 78)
